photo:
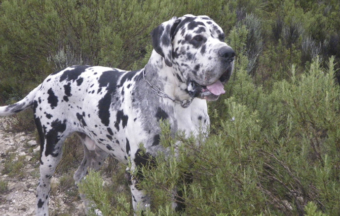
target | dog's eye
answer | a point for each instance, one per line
(198, 38)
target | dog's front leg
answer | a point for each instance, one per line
(140, 200)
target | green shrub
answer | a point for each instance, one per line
(273, 153)
(3, 187)
(274, 142)
(13, 167)
(111, 200)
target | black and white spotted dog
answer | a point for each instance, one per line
(113, 110)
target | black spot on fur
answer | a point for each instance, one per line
(183, 32)
(161, 114)
(53, 136)
(73, 74)
(109, 147)
(187, 37)
(49, 116)
(81, 119)
(156, 35)
(80, 81)
(109, 80)
(179, 78)
(182, 23)
(138, 78)
(40, 203)
(67, 89)
(127, 147)
(110, 131)
(120, 117)
(203, 49)
(175, 53)
(156, 140)
(193, 25)
(217, 30)
(143, 159)
(166, 40)
(200, 30)
(52, 99)
(189, 56)
(127, 76)
(197, 67)
(162, 37)
(41, 135)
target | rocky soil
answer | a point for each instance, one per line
(18, 184)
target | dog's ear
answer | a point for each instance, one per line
(162, 39)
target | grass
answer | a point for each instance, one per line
(3, 187)
(13, 166)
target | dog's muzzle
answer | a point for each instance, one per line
(213, 91)
(210, 92)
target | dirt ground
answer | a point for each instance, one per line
(19, 174)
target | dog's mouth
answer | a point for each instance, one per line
(213, 91)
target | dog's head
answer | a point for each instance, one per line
(194, 47)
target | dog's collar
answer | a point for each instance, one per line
(184, 103)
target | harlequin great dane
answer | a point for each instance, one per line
(113, 111)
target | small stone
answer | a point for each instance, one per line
(32, 143)
(22, 138)
(55, 182)
(22, 154)
(36, 149)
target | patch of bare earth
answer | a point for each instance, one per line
(19, 175)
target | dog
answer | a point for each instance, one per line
(113, 111)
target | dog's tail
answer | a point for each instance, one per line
(21, 105)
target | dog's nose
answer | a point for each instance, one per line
(227, 53)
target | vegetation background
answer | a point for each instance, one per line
(274, 147)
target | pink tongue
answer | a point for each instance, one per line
(217, 88)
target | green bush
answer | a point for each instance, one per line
(273, 153)
(110, 199)
(3, 186)
(274, 142)
(14, 167)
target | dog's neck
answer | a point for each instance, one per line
(166, 79)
